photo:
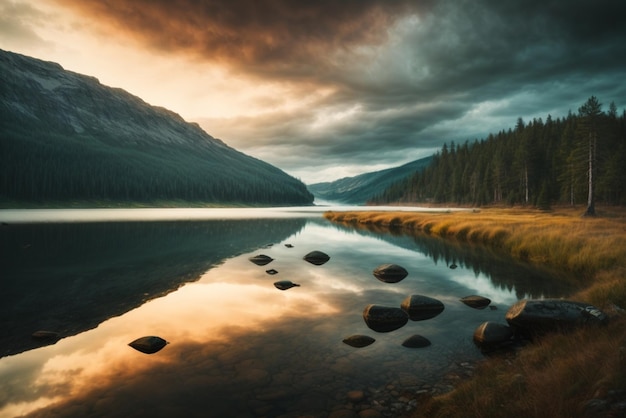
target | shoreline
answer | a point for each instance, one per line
(583, 369)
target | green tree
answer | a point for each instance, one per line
(591, 113)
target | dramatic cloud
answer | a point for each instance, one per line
(363, 84)
(275, 37)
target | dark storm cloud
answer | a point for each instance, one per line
(485, 50)
(414, 73)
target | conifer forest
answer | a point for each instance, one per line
(575, 160)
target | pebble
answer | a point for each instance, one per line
(343, 413)
(356, 396)
(369, 413)
(277, 385)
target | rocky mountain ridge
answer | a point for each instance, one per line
(59, 127)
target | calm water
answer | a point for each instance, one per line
(238, 347)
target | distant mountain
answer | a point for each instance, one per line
(64, 137)
(359, 189)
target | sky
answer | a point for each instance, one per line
(333, 88)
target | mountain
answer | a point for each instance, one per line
(64, 137)
(360, 189)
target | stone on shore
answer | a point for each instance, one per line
(476, 302)
(420, 307)
(383, 318)
(390, 273)
(492, 335)
(545, 315)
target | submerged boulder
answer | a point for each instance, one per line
(490, 335)
(476, 302)
(390, 273)
(148, 345)
(420, 307)
(317, 257)
(261, 259)
(543, 315)
(285, 284)
(359, 341)
(416, 341)
(383, 318)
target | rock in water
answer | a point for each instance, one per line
(359, 341)
(148, 345)
(317, 257)
(390, 273)
(492, 335)
(416, 341)
(45, 335)
(476, 302)
(383, 318)
(544, 315)
(420, 307)
(261, 259)
(285, 284)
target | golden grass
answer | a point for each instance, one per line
(562, 239)
(557, 376)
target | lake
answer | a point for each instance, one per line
(237, 345)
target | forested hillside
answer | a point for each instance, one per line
(64, 137)
(540, 162)
(359, 189)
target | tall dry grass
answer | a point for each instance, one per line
(560, 375)
(579, 247)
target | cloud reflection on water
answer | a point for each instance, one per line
(193, 319)
(240, 346)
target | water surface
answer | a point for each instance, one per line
(237, 345)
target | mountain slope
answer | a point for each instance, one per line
(359, 189)
(66, 137)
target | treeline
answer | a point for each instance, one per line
(66, 138)
(578, 159)
(40, 167)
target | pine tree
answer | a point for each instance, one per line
(591, 113)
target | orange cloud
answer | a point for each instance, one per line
(274, 37)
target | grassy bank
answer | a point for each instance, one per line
(561, 374)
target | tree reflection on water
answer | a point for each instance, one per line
(70, 277)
